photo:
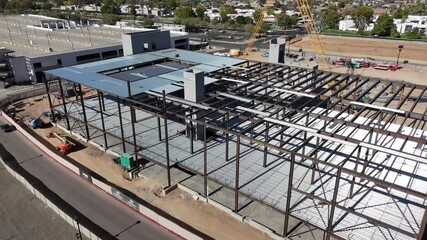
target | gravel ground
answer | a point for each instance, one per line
(24, 216)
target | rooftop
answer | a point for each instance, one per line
(28, 41)
(143, 72)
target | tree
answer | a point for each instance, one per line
(110, 19)
(3, 4)
(148, 22)
(241, 20)
(394, 33)
(331, 17)
(200, 11)
(362, 15)
(249, 28)
(261, 2)
(414, 33)
(264, 28)
(184, 12)
(169, 5)
(110, 7)
(47, 6)
(257, 15)
(341, 3)
(132, 10)
(384, 25)
(398, 14)
(285, 20)
(277, 4)
(347, 10)
(224, 10)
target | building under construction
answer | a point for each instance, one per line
(345, 154)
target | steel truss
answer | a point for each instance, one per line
(258, 102)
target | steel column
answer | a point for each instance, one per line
(102, 100)
(329, 229)
(422, 234)
(159, 129)
(205, 163)
(191, 132)
(135, 146)
(313, 165)
(166, 138)
(64, 104)
(288, 196)
(84, 113)
(355, 169)
(227, 139)
(236, 187)
(191, 136)
(264, 162)
(121, 125)
(50, 99)
(102, 120)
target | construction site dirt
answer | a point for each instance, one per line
(413, 51)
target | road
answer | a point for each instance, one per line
(23, 216)
(102, 209)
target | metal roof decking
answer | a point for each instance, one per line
(144, 78)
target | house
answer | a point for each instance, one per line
(411, 22)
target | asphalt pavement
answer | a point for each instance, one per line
(105, 211)
(24, 216)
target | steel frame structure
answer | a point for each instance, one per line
(250, 100)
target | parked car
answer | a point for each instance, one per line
(7, 127)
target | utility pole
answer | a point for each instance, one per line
(90, 39)
(28, 39)
(400, 50)
(48, 42)
(10, 36)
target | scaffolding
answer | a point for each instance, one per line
(349, 158)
